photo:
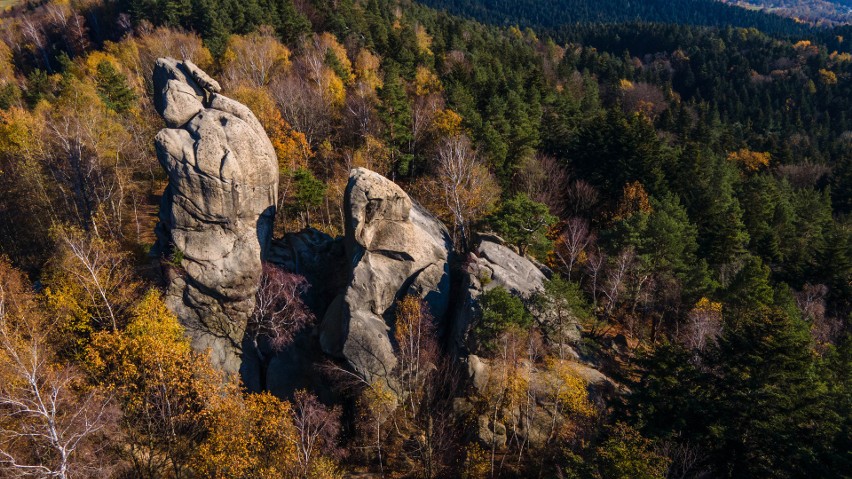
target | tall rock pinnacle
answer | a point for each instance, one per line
(217, 211)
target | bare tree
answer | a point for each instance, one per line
(703, 325)
(423, 113)
(580, 198)
(33, 31)
(256, 58)
(543, 179)
(279, 312)
(70, 25)
(302, 104)
(811, 302)
(361, 109)
(686, 459)
(102, 272)
(595, 262)
(50, 420)
(572, 243)
(317, 427)
(615, 282)
(467, 187)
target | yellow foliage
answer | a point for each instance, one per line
(567, 388)
(367, 69)
(374, 155)
(827, 77)
(447, 122)
(423, 39)
(324, 468)
(7, 70)
(151, 351)
(477, 462)
(254, 58)
(426, 82)
(156, 378)
(805, 48)
(87, 286)
(840, 57)
(80, 114)
(625, 84)
(327, 41)
(377, 402)
(332, 87)
(707, 306)
(751, 160)
(21, 133)
(96, 58)
(250, 437)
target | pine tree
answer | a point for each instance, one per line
(113, 88)
(395, 112)
(767, 401)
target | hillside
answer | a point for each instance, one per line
(371, 238)
(819, 12)
(559, 13)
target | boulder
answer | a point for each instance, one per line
(492, 264)
(393, 248)
(217, 211)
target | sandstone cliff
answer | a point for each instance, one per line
(217, 211)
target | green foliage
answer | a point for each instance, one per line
(750, 287)
(113, 89)
(10, 94)
(568, 295)
(758, 403)
(523, 222)
(500, 311)
(38, 86)
(628, 455)
(396, 113)
(771, 418)
(666, 243)
(310, 192)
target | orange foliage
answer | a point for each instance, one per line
(634, 199)
(290, 145)
(751, 160)
(249, 437)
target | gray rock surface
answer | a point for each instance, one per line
(394, 248)
(492, 264)
(217, 211)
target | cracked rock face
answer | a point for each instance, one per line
(492, 264)
(217, 211)
(395, 248)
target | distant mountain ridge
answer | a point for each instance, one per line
(548, 15)
(819, 12)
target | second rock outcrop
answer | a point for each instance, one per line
(395, 248)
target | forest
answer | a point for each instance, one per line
(818, 12)
(684, 175)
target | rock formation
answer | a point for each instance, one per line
(490, 265)
(217, 211)
(394, 248)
